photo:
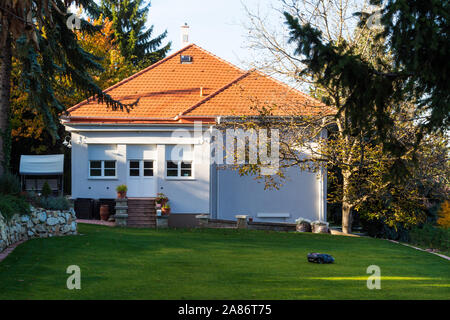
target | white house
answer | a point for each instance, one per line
(162, 144)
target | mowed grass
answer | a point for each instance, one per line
(217, 264)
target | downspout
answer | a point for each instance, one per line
(217, 183)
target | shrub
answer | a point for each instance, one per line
(431, 237)
(9, 184)
(10, 205)
(46, 190)
(378, 229)
(53, 203)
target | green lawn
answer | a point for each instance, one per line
(217, 264)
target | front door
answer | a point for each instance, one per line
(141, 181)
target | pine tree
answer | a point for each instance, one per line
(416, 34)
(37, 33)
(135, 41)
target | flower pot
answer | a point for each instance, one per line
(104, 212)
(121, 195)
(303, 227)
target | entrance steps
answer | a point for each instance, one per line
(141, 213)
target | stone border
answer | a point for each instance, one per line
(420, 249)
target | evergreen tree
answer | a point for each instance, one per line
(416, 34)
(135, 41)
(37, 32)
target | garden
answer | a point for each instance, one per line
(124, 263)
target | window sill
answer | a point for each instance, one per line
(180, 178)
(102, 178)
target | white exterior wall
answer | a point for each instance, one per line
(221, 193)
(186, 195)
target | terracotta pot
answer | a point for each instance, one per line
(122, 195)
(165, 211)
(104, 212)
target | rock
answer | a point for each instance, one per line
(35, 220)
(30, 233)
(42, 216)
(52, 221)
(62, 220)
(73, 226)
(40, 228)
(24, 218)
(2, 245)
(65, 228)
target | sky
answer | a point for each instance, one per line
(215, 25)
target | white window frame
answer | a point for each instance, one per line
(141, 168)
(102, 170)
(179, 177)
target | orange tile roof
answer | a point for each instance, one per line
(169, 91)
(252, 92)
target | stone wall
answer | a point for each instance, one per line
(40, 223)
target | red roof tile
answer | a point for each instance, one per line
(170, 91)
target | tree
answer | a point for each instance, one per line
(352, 149)
(416, 35)
(37, 32)
(135, 41)
(28, 128)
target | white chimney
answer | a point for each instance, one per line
(184, 35)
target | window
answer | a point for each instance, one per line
(186, 169)
(172, 169)
(96, 169)
(135, 169)
(102, 168)
(179, 169)
(185, 59)
(148, 168)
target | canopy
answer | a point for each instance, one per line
(52, 164)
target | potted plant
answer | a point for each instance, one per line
(121, 191)
(161, 199)
(303, 225)
(165, 209)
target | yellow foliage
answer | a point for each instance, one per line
(444, 215)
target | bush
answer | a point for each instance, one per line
(9, 184)
(53, 203)
(10, 205)
(431, 237)
(46, 190)
(378, 229)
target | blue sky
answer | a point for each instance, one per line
(215, 25)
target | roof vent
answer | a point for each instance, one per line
(185, 59)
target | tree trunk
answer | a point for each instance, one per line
(347, 218)
(5, 91)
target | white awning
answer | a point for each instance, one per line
(52, 164)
